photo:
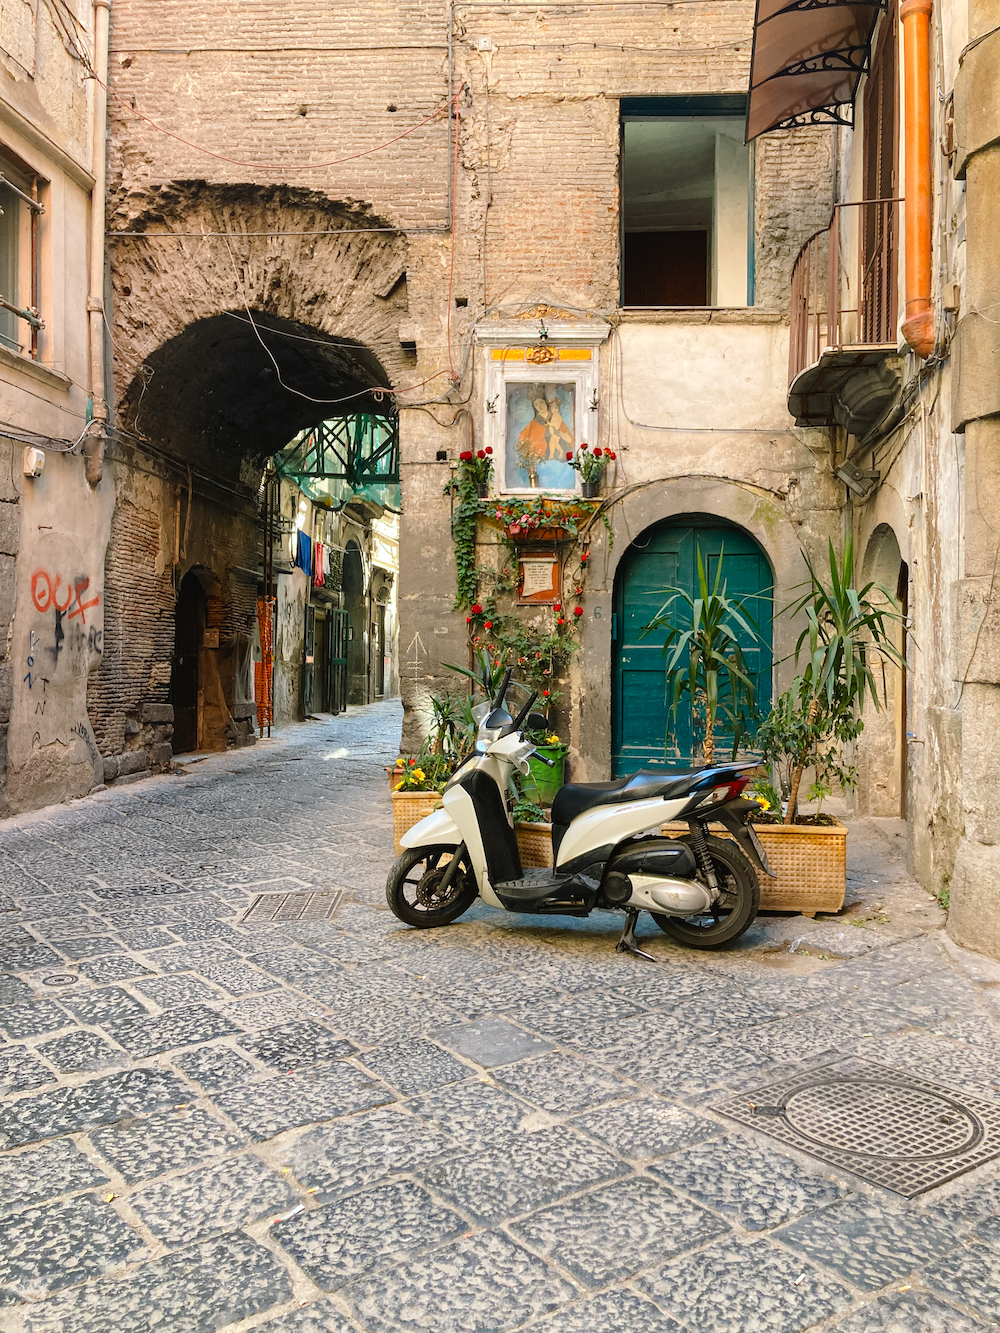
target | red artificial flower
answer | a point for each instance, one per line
(487, 624)
(545, 694)
(578, 610)
(488, 449)
(560, 621)
(585, 557)
(557, 606)
(569, 457)
(515, 531)
(497, 662)
(477, 610)
(598, 452)
(465, 455)
(413, 763)
(468, 620)
(612, 455)
(583, 448)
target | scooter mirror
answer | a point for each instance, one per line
(536, 722)
(498, 719)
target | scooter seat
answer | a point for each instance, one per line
(576, 797)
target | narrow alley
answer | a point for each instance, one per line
(332, 1123)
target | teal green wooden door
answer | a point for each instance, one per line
(660, 558)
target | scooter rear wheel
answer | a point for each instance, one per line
(411, 887)
(733, 913)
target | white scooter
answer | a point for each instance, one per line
(699, 888)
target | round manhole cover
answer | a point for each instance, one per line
(882, 1119)
(60, 979)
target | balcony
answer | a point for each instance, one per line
(843, 363)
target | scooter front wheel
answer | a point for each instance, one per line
(413, 887)
(735, 909)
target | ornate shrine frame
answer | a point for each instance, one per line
(555, 354)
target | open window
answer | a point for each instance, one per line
(19, 259)
(686, 212)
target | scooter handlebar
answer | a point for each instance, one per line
(544, 759)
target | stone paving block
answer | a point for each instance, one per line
(336, 1159)
(647, 1128)
(611, 1312)
(99, 1102)
(95, 946)
(263, 1011)
(491, 1041)
(136, 918)
(370, 1025)
(199, 1290)
(522, 1172)
(239, 978)
(60, 1244)
(33, 1019)
(292, 1045)
(13, 991)
(215, 1067)
(270, 1106)
(36, 1174)
(978, 1030)
(15, 935)
(612, 1233)
(111, 1004)
(80, 1051)
(143, 1149)
(319, 1318)
(361, 1233)
(174, 991)
(748, 1286)
(488, 1274)
(26, 957)
(869, 1244)
(970, 1276)
(908, 1312)
(562, 1084)
(706, 1064)
(192, 957)
(480, 996)
(755, 1187)
(114, 967)
(188, 1026)
(212, 932)
(966, 1206)
(20, 1070)
(415, 1065)
(146, 937)
(215, 1198)
(472, 1113)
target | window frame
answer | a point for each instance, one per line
(29, 188)
(694, 106)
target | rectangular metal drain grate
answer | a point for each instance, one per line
(885, 1125)
(298, 905)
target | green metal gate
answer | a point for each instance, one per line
(338, 626)
(666, 556)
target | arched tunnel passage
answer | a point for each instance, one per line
(209, 408)
(237, 386)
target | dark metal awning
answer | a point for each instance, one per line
(808, 56)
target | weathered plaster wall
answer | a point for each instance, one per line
(58, 640)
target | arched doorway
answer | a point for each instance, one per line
(189, 632)
(665, 556)
(882, 749)
(357, 611)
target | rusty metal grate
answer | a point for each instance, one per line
(297, 905)
(885, 1125)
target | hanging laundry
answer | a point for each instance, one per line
(318, 559)
(303, 553)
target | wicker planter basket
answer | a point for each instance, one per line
(810, 861)
(534, 842)
(409, 808)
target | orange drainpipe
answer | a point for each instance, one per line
(918, 326)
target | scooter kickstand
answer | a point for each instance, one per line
(627, 942)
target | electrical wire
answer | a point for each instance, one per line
(265, 166)
(36, 440)
(453, 211)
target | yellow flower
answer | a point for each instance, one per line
(398, 786)
(764, 804)
(418, 773)
(552, 740)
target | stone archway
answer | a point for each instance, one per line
(257, 318)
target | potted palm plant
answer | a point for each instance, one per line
(842, 652)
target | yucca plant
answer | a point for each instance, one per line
(706, 661)
(847, 634)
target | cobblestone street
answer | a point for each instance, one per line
(348, 1125)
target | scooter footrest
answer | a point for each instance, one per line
(533, 884)
(543, 891)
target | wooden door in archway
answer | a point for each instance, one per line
(644, 734)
